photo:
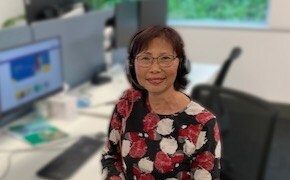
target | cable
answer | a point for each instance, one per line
(9, 160)
(40, 148)
(7, 167)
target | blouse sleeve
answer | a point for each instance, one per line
(112, 167)
(112, 161)
(206, 164)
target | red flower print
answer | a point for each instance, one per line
(216, 132)
(123, 107)
(204, 117)
(132, 136)
(184, 175)
(115, 123)
(136, 171)
(138, 148)
(153, 135)
(146, 177)
(119, 166)
(204, 160)
(108, 145)
(177, 157)
(115, 178)
(133, 95)
(183, 132)
(163, 162)
(150, 121)
(193, 132)
(141, 176)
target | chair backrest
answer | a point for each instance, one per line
(235, 53)
(246, 123)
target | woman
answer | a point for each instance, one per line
(156, 131)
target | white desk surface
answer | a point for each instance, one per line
(28, 160)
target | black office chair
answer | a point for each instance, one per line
(246, 124)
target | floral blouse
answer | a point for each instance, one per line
(145, 145)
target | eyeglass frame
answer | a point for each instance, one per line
(157, 60)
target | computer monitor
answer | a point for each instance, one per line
(28, 73)
(82, 41)
(37, 10)
(126, 23)
(152, 12)
(133, 16)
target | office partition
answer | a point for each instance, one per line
(82, 38)
(14, 36)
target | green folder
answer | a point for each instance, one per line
(37, 132)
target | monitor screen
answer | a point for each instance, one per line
(29, 72)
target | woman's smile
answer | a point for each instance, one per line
(155, 81)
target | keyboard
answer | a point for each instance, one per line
(69, 161)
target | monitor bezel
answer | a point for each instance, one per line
(30, 103)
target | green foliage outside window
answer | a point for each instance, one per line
(221, 10)
(103, 4)
(224, 10)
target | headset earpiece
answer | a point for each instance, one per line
(130, 71)
(187, 65)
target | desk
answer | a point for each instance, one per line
(25, 164)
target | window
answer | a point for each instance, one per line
(103, 4)
(226, 11)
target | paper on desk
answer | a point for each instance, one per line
(37, 132)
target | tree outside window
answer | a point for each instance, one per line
(222, 10)
(238, 11)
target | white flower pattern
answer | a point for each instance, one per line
(201, 139)
(202, 174)
(218, 150)
(193, 109)
(165, 126)
(114, 136)
(146, 165)
(188, 148)
(168, 145)
(125, 147)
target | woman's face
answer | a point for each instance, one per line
(156, 79)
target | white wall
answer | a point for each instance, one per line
(10, 9)
(279, 14)
(263, 68)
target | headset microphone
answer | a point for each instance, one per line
(129, 70)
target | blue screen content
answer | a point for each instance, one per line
(29, 72)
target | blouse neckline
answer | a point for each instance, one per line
(172, 114)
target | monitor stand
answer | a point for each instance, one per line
(98, 79)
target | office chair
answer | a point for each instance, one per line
(246, 126)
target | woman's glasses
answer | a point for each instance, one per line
(163, 60)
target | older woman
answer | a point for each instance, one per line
(157, 131)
